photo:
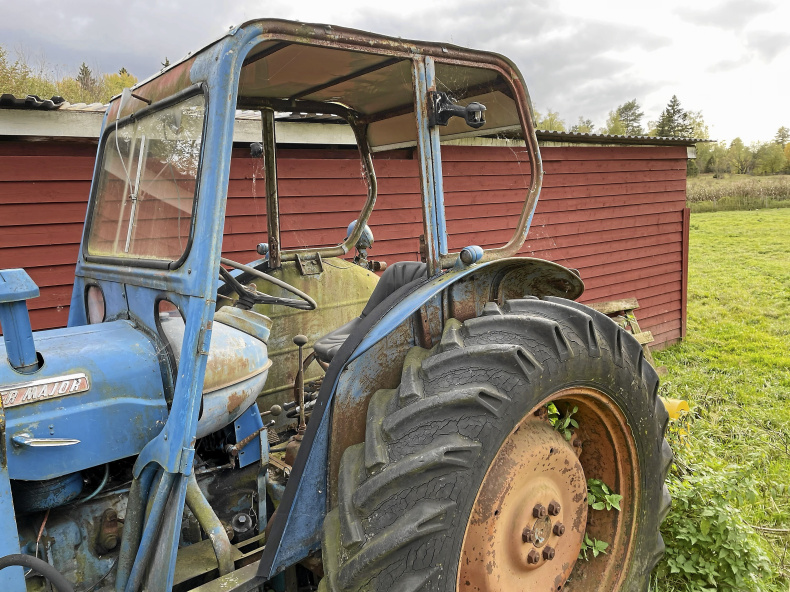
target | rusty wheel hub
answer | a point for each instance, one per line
(528, 522)
(530, 516)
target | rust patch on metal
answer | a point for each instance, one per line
(536, 469)
(424, 327)
(235, 401)
(533, 468)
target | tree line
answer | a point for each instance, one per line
(626, 120)
(20, 77)
(758, 158)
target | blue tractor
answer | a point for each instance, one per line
(203, 424)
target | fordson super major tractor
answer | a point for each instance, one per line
(297, 422)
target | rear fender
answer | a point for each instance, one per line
(371, 359)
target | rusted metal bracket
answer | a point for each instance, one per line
(309, 266)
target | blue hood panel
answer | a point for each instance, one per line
(99, 384)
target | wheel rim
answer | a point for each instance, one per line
(536, 466)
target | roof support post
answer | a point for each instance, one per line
(272, 199)
(430, 157)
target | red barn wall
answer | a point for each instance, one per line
(614, 213)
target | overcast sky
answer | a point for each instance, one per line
(728, 58)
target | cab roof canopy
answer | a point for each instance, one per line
(288, 66)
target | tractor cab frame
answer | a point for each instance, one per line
(151, 254)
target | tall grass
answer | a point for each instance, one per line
(737, 192)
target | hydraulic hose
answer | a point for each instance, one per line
(40, 566)
(101, 486)
(211, 525)
(150, 532)
(133, 525)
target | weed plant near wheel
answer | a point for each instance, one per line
(463, 483)
(729, 528)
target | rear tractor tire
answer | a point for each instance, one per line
(463, 484)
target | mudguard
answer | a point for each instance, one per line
(371, 358)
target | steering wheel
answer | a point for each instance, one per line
(248, 298)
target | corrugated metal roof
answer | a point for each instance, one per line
(576, 137)
(33, 102)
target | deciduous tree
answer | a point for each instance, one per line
(551, 122)
(769, 158)
(583, 126)
(719, 162)
(613, 125)
(113, 84)
(741, 156)
(625, 120)
(20, 79)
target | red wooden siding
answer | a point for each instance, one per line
(616, 214)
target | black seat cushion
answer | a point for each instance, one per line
(326, 347)
(396, 275)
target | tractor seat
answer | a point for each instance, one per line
(394, 277)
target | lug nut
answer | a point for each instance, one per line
(554, 508)
(539, 511)
(527, 535)
(533, 557)
(559, 529)
(548, 553)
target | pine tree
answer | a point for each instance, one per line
(85, 78)
(673, 121)
(630, 115)
(782, 136)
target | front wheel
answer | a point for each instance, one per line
(463, 482)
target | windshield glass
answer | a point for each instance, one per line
(147, 184)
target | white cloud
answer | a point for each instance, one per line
(729, 59)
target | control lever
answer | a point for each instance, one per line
(275, 410)
(300, 341)
(292, 449)
(233, 450)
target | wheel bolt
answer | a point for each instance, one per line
(527, 535)
(548, 553)
(533, 557)
(554, 508)
(559, 529)
(539, 511)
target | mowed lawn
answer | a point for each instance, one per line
(731, 509)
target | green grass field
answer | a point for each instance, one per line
(729, 528)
